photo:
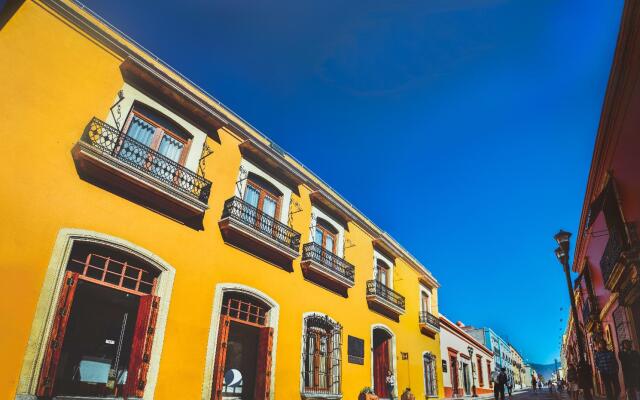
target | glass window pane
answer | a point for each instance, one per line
(269, 207)
(251, 195)
(329, 243)
(141, 131)
(170, 148)
(318, 237)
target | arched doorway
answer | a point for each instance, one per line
(243, 358)
(382, 361)
(101, 338)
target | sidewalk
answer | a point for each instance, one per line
(488, 395)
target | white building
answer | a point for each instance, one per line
(465, 361)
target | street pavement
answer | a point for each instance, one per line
(542, 394)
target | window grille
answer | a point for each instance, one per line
(430, 382)
(322, 347)
(110, 272)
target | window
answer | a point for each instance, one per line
(480, 376)
(430, 383)
(321, 355)
(100, 341)
(383, 273)
(264, 201)
(326, 235)
(425, 301)
(263, 196)
(149, 133)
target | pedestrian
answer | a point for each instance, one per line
(534, 383)
(630, 363)
(608, 367)
(391, 383)
(499, 378)
(510, 386)
(550, 385)
(572, 381)
(407, 395)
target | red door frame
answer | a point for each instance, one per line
(140, 349)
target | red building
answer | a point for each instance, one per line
(607, 248)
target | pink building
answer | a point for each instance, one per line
(607, 247)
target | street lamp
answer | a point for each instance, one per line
(584, 369)
(473, 372)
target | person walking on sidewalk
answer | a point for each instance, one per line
(534, 383)
(391, 383)
(572, 381)
(499, 378)
(608, 367)
(630, 363)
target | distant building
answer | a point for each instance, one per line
(466, 361)
(501, 349)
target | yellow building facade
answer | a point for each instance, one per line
(156, 246)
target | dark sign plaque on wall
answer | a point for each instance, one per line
(444, 365)
(355, 350)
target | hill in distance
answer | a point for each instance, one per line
(546, 370)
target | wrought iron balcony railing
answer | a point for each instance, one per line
(315, 252)
(109, 141)
(250, 216)
(429, 319)
(375, 288)
(611, 256)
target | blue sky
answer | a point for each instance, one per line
(464, 128)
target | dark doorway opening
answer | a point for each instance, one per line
(96, 350)
(240, 365)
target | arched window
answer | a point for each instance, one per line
(326, 235)
(430, 383)
(322, 343)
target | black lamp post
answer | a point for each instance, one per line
(584, 369)
(473, 372)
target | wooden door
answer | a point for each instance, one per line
(56, 338)
(141, 346)
(381, 368)
(263, 368)
(454, 374)
(221, 357)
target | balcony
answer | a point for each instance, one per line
(108, 157)
(611, 258)
(248, 228)
(384, 299)
(326, 268)
(429, 323)
(590, 317)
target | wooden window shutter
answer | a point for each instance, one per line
(56, 338)
(141, 346)
(263, 367)
(221, 358)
